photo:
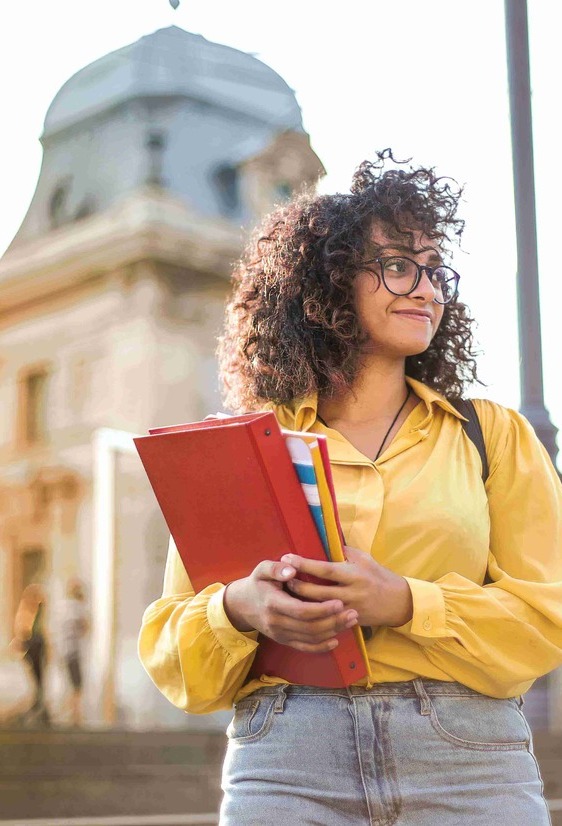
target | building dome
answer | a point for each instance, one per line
(174, 63)
(175, 111)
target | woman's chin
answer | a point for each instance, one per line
(400, 349)
(419, 348)
(413, 346)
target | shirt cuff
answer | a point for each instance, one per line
(237, 643)
(428, 621)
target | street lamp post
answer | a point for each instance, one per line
(532, 398)
(531, 374)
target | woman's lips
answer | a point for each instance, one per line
(425, 319)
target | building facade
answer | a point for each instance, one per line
(158, 159)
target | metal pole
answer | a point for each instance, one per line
(532, 394)
(530, 362)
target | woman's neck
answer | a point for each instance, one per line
(376, 395)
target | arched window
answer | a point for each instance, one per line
(33, 404)
(228, 186)
(57, 206)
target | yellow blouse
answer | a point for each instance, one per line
(421, 510)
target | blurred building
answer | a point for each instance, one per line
(157, 159)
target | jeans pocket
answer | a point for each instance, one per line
(253, 718)
(480, 722)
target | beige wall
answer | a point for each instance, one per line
(122, 310)
(128, 350)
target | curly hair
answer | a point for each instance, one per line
(290, 325)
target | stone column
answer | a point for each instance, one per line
(106, 442)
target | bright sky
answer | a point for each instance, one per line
(427, 78)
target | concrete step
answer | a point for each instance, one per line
(58, 774)
(210, 819)
(101, 773)
(22, 749)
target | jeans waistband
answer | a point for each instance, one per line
(412, 688)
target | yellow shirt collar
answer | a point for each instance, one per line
(301, 414)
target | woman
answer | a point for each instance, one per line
(30, 640)
(345, 321)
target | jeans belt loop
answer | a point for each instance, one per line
(425, 702)
(279, 704)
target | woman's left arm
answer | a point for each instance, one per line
(499, 637)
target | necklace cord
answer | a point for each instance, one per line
(395, 419)
(402, 406)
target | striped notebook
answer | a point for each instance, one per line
(303, 463)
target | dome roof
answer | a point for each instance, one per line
(173, 62)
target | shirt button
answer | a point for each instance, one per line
(242, 643)
(427, 625)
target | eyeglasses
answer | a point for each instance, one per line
(401, 276)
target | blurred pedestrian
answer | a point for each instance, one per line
(30, 641)
(73, 627)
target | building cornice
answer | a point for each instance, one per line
(148, 225)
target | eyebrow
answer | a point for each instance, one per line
(409, 251)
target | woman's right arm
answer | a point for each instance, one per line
(188, 646)
(193, 649)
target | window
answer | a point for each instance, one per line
(85, 209)
(283, 191)
(227, 182)
(33, 406)
(57, 207)
(80, 386)
(32, 566)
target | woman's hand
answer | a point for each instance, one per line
(259, 603)
(379, 596)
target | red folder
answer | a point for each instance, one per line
(231, 498)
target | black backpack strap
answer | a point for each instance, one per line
(473, 430)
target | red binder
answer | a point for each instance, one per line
(231, 498)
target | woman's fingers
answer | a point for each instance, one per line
(289, 606)
(307, 626)
(331, 571)
(313, 648)
(274, 571)
(319, 630)
(299, 632)
(311, 591)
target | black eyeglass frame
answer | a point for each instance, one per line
(420, 269)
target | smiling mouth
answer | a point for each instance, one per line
(415, 316)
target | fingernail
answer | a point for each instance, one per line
(287, 571)
(333, 644)
(352, 615)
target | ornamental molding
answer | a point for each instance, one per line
(149, 225)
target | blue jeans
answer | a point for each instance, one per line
(421, 753)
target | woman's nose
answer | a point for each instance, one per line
(425, 289)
